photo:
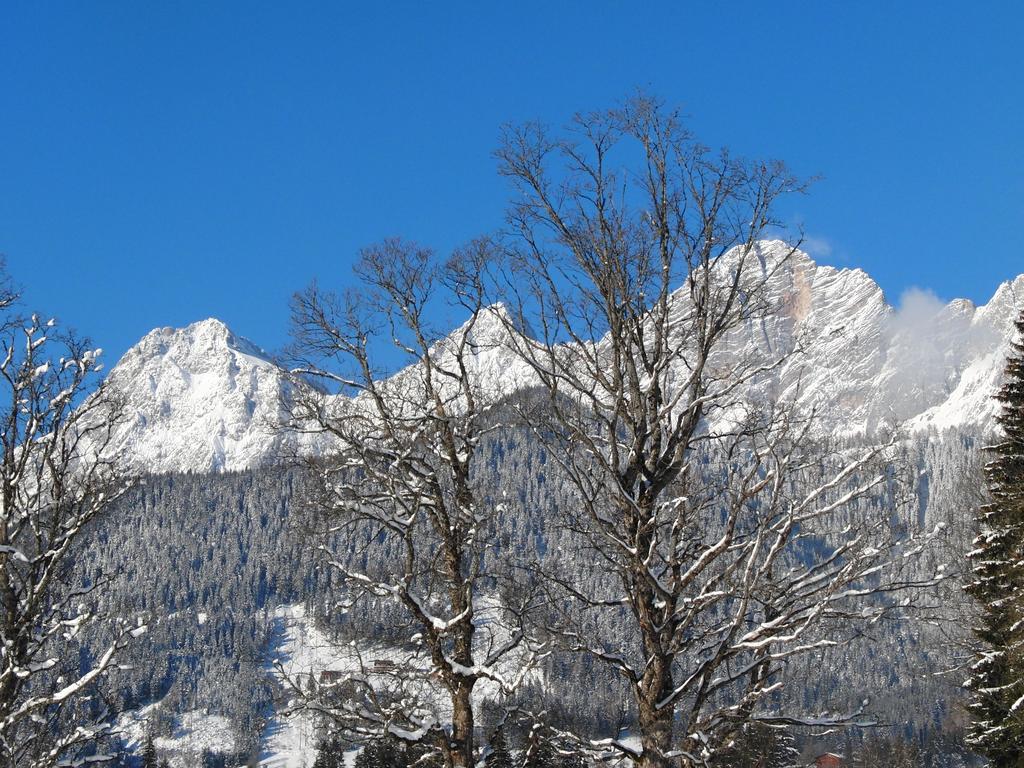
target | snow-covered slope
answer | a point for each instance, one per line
(199, 399)
(302, 653)
(829, 325)
(203, 399)
(193, 733)
(865, 363)
(986, 344)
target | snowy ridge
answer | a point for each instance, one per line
(865, 364)
(487, 352)
(990, 333)
(202, 399)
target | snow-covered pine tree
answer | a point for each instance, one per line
(149, 758)
(330, 754)
(997, 675)
(381, 752)
(541, 752)
(422, 755)
(760, 746)
(574, 760)
(367, 757)
(895, 752)
(500, 756)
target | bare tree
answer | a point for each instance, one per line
(404, 466)
(55, 481)
(706, 496)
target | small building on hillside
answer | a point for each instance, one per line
(330, 676)
(829, 760)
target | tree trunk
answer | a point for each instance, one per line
(656, 739)
(462, 742)
(655, 723)
(461, 749)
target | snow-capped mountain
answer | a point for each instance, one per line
(989, 333)
(199, 399)
(865, 363)
(203, 399)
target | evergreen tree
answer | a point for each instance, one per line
(575, 760)
(367, 757)
(330, 754)
(997, 679)
(422, 755)
(892, 753)
(760, 746)
(149, 751)
(382, 752)
(541, 752)
(392, 753)
(499, 755)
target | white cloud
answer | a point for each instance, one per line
(916, 311)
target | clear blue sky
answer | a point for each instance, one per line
(165, 162)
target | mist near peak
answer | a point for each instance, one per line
(917, 312)
(928, 345)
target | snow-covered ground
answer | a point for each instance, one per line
(194, 732)
(289, 740)
(302, 652)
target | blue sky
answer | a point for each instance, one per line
(165, 162)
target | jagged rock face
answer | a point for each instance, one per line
(862, 364)
(201, 399)
(828, 325)
(980, 362)
(487, 352)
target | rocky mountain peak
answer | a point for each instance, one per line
(198, 399)
(202, 399)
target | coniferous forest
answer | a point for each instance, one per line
(179, 536)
